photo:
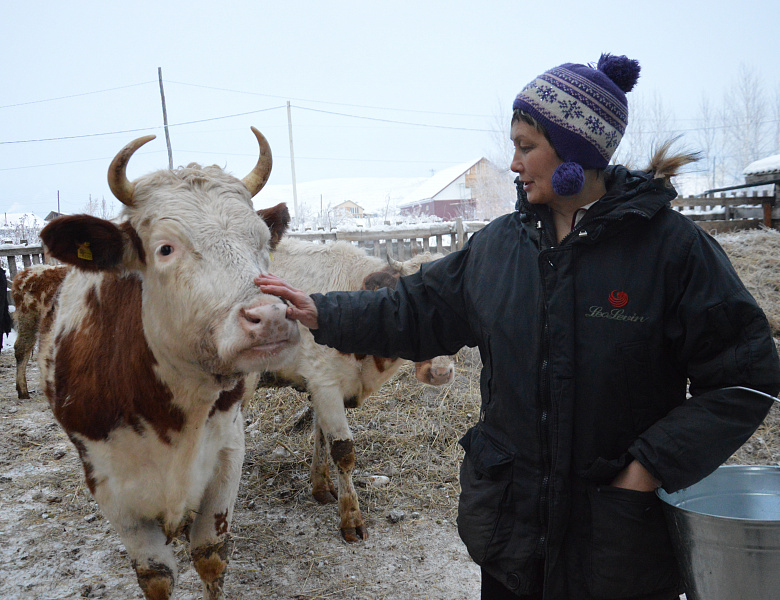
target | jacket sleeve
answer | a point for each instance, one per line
(423, 317)
(722, 339)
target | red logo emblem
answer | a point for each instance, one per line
(618, 299)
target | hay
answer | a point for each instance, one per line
(755, 255)
(406, 431)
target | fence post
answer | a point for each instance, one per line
(768, 203)
(459, 233)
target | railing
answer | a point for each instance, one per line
(720, 213)
(27, 255)
(401, 243)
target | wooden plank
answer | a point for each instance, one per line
(26, 260)
(11, 267)
(713, 227)
(19, 250)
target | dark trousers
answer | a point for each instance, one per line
(492, 589)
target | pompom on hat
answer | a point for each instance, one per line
(585, 113)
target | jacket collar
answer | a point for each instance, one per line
(628, 192)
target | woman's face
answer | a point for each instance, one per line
(535, 162)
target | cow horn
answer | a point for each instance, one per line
(255, 181)
(398, 266)
(120, 186)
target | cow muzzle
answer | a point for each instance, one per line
(268, 335)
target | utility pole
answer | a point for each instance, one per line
(292, 163)
(165, 119)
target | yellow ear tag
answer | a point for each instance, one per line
(84, 253)
(271, 254)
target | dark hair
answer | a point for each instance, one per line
(520, 115)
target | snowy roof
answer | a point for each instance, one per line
(433, 185)
(770, 164)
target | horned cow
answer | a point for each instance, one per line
(335, 380)
(145, 350)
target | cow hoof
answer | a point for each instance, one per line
(354, 534)
(324, 496)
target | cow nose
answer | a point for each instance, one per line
(442, 374)
(267, 321)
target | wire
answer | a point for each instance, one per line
(123, 87)
(329, 112)
(430, 112)
(86, 135)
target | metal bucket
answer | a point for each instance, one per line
(726, 533)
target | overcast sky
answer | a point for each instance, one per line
(397, 89)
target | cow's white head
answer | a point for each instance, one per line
(196, 242)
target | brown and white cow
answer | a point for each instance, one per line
(335, 380)
(33, 289)
(145, 350)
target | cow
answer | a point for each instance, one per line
(145, 349)
(32, 291)
(333, 380)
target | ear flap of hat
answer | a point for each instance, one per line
(568, 179)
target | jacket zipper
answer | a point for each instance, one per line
(544, 418)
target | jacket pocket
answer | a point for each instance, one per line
(630, 547)
(485, 503)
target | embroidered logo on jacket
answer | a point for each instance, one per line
(618, 299)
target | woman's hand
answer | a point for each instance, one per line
(636, 477)
(302, 307)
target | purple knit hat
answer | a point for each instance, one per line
(584, 111)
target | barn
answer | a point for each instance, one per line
(470, 190)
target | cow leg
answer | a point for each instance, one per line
(23, 349)
(322, 487)
(151, 556)
(332, 419)
(210, 542)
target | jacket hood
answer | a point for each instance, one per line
(627, 192)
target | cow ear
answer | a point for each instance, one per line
(85, 241)
(278, 219)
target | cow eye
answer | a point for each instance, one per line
(166, 250)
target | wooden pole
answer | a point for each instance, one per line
(292, 162)
(165, 120)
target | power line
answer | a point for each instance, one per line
(86, 135)
(123, 87)
(411, 110)
(329, 112)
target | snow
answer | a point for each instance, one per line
(373, 194)
(765, 165)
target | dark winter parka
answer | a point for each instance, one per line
(587, 347)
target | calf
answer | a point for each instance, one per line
(145, 350)
(32, 290)
(334, 380)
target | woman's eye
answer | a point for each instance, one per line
(166, 250)
(526, 148)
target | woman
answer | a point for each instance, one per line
(593, 305)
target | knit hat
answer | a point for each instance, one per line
(584, 111)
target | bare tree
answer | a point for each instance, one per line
(501, 149)
(744, 122)
(99, 208)
(709, 141)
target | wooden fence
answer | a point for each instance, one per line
(402, 243)
(735, 212)
(20, 257)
